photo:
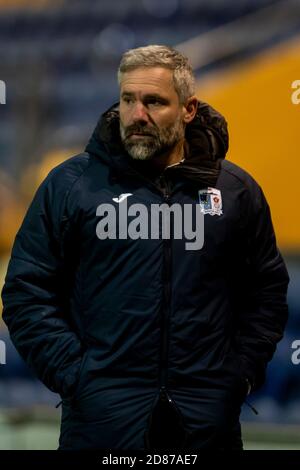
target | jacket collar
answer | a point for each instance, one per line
(207, 138)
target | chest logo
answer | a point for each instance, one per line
(210, 201)
(121, 197)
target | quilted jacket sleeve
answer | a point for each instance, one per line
(34, 300)
(263, 283)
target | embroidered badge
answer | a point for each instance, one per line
(210, 200)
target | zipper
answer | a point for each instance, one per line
(164, 186)
(164, 396)
(152, 185)
(251, 407)
(163, 189)
(147, 181)
(163, 370)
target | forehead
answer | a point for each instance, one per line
(148, 80)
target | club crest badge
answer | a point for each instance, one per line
(210, 200)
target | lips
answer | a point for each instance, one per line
(139, 133)
(138, 136)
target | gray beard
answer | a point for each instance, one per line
(159, 143)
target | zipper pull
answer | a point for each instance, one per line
(164, 186)
(251, 407)
(164, 394)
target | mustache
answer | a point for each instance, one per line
(136, 129)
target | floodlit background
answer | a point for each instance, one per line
(59, 59)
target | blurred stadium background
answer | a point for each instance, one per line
(59, 59)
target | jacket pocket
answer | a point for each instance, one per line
(241, 388)
(237, 380)
(80, 379)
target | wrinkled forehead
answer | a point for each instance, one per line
(148, 80)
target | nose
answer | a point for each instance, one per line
(139, 113)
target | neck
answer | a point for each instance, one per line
(175, 155)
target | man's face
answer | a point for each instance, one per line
(151, 117)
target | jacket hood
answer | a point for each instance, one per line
(207, 137)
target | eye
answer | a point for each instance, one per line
(127, 99)
(154, 102)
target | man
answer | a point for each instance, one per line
(151, 343)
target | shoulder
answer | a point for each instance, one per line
(241, 187)
(238, 180)
(69, 171)
(234, 173)
(53, 193)
(61, 180)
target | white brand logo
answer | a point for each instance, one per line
(121, 197)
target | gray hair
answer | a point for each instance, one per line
(161, 56)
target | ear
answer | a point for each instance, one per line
(190, 109)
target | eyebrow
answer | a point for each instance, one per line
(147, 96)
